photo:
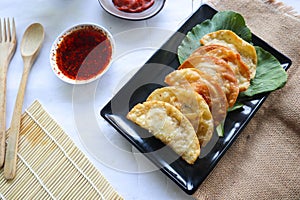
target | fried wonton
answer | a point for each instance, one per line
(219, 70)
(233, 41)
(192, 105)
(241, 71)
(169, 125)
(206, 86)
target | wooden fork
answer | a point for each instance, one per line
(8, 43)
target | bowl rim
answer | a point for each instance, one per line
(59, 39)
(109, 7)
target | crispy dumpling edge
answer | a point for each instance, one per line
(243, 46)
(241, 69)
(222, 106)
(191, 154)
(204, 138)
(231, 89)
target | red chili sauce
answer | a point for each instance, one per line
(133, 6)
(84, 53)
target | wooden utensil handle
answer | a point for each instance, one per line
(12, 143)
(3, 70)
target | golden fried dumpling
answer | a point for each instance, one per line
(169, 125)
(219, 70)
(241, 71)
(206, 86)
(192, 105)
(233, 41)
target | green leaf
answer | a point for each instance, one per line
(236, 106)
(228, 20)
(269, 74)
(220, 129)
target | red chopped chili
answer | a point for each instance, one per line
(133, 6)
(84, 53)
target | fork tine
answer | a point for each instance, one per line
(13, 30)
(8, 36)
(4, 31)
(0, 30)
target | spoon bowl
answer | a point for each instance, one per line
(32, 41)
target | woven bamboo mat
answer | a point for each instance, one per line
(50, 166)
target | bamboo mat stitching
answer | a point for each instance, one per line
(64, 152)
(36, 176)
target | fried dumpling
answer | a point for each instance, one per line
(233, 41)
(219, 70)
(192, 105)
(206, 86)
(169, 125)
(240, 69)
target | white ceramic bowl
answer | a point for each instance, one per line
(109, 7)
(64, 56)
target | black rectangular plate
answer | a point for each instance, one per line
(151, 76)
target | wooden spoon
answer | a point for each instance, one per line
(30, 47)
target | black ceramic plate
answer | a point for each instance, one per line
(150, 77)
(109, 7)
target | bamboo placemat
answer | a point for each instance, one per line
(50, 166)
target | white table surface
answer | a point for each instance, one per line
(76, 109)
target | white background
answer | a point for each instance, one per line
(71, 111)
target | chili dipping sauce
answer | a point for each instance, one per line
(133, 6)
(84, 53)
